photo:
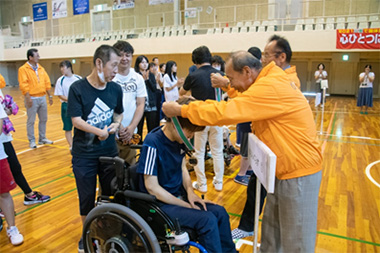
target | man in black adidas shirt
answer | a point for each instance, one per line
(95, 106)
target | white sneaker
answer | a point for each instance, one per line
(218, 185)
(14, 236)
(200, 187)
(45, 141)
(32, 144)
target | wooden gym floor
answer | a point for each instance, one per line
(349, 200)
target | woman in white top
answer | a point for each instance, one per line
(171, 82)
(366, 79)
(319, 75)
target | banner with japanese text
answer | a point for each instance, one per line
(123, 4)
(40, 11)
(358, 39)
(81, 7)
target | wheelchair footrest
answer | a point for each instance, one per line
(179, 240)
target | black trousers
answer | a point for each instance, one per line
(151, 122)
(15, 167)
(247, 221)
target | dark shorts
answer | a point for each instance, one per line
(244, 144)
(67, 123)
(7, 183)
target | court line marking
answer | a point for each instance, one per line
(38, 146)
(329, 127)
(351, 136)
(19, 116)
(327, 234)
(368, 173)
(353, 142)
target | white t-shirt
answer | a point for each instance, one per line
(173, 94)
(133, 87)
(4, 137)
(63, 84)
(2, 152)
(366, 80)
(320, 76)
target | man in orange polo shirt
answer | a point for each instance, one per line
(282, 119)
(35, 84)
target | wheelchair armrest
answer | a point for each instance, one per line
(140, 195)
(135, 146)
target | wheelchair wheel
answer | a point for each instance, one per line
(111, 228)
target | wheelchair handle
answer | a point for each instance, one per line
(139, 195)
(136, 146)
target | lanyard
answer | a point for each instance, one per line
(218, 94)
(179, 129)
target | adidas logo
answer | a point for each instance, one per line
(101, 115)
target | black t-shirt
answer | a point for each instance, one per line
(199, 82)
(95, 107)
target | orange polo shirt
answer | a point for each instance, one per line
(280, 115)
(30, 82)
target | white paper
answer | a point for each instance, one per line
(263, 162)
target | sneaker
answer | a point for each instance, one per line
(237, 145)
(242, 179)
(249, 172)
(32, 144)
(36, 198)
(239, 234)
(200, 187)
(45, 141)
(80, 246)
(233, 150)
(14, 236)
(218, 185)
(365, 112)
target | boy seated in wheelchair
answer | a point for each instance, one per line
(163, 174)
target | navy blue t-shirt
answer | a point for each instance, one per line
(161, 157)
(96, 107)
(199, 82)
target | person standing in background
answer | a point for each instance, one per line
(62, 87)
(365, 98)
(171, 82)
(35, 84)
(31, 197)
(134, 94)
(319, 75)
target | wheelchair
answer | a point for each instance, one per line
(131, 221)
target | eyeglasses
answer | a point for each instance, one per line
(268, 55)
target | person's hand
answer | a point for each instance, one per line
(50, 100)
(113, 128)
(8, 111)
(193, 198)
(180, 82)
(103, 134)
(218, 81)
(29, 102)
(171, 109)
(126, 134)
(145, 74)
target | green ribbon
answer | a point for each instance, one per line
(179, 129)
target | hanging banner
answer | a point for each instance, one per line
(81, 7)
(358, 39)
(59, 8)
(155, 2)
(123, 4)
(40, 11)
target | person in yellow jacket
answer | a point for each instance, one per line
(2, 82)
(35, 84)
(283, 120)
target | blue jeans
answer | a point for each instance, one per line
(212, 226)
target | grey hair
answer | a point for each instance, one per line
(240, 59)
